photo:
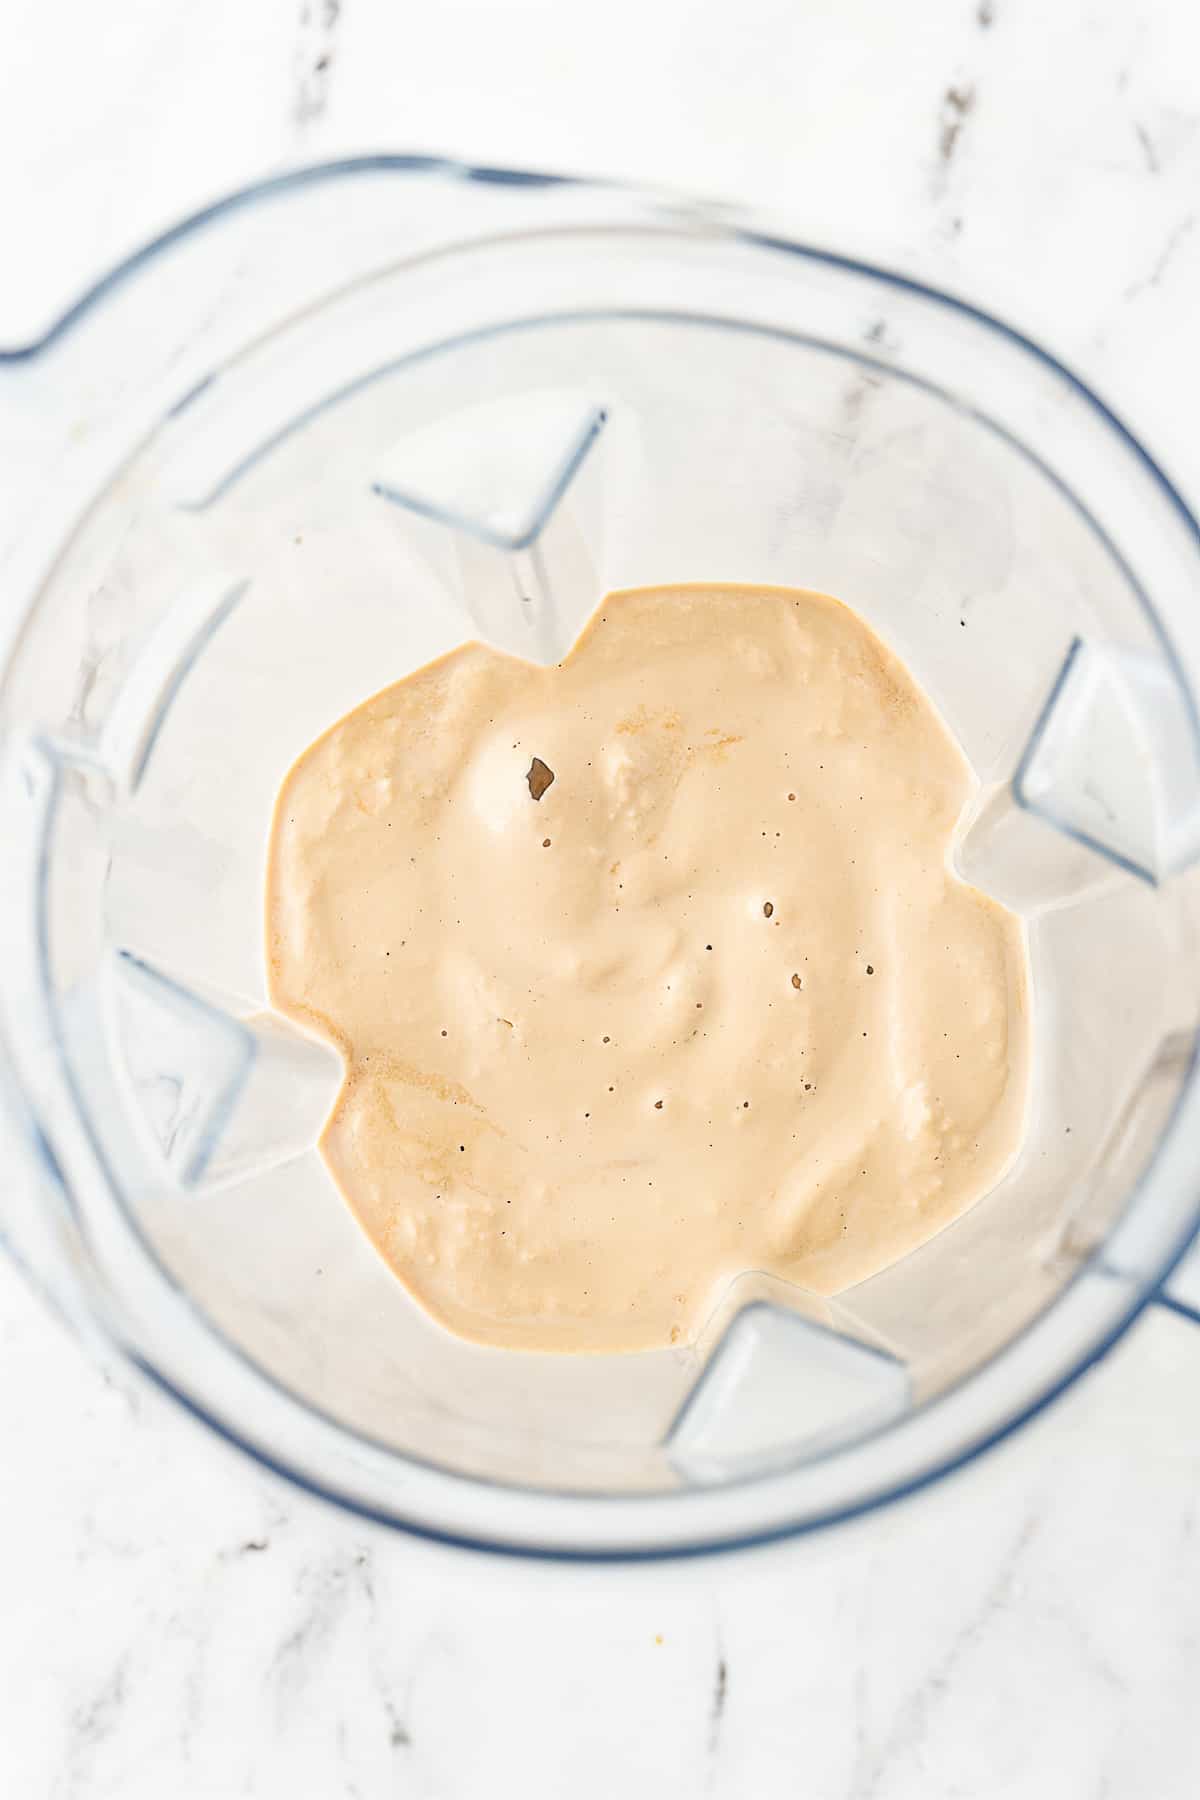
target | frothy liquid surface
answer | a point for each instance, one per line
(648, 969)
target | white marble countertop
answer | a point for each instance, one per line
(174, 1622)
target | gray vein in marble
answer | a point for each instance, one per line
(716, 1710)
(1170, 131)
(395, 1713)
(1088, 1653)
(914, 1719)
(861, 1715)
(364, 1568)
(90, 1725)
(192, 1631)
(350, 1787)
(717, 1700)
(1148, 150)
(399, 1736)
(313, 61)
(434, 1647)
(957, 105)
(1177, 236)
(94, 1721)
(329, 1593)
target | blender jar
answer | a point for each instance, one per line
(333, 427)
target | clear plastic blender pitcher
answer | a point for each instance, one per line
(335, 426)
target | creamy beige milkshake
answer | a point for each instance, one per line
(648, 968)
